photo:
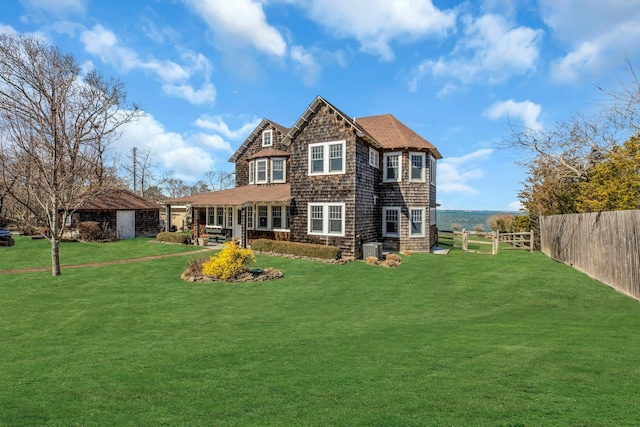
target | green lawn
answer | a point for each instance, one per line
(464, 339)
(29, 253)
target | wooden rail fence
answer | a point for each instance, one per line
(605, 245)
(518, 240)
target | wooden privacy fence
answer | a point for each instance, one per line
(605, 245)
(519, 240)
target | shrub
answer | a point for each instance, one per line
(504, 223)
(371, 260)
(169, 237)
(90, 231)
(479, 228)
(229, 262)
(295, 248)
(392, 260)
(456, 226)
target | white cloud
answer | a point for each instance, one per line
(218, 125)
(7, 29)
(491, 49)
(515, 206)
(240, 22)
(104, 44)
(376, 23)
(189, 156)
(525, 111)
(307, 64)
(600, 34)
(456, 174)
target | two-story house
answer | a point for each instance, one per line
(329, 179)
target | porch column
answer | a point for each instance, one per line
(243, 237)
(195, 214)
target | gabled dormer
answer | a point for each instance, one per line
(262, 158)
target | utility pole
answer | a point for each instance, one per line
(134, 150)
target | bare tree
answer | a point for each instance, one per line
(220, 180)
(54, 127)
(139, 168)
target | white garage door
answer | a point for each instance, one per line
(126, 224)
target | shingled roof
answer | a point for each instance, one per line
(238, 196)
(264, 123)
(116, 199)
(392, 133)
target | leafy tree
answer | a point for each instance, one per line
(613, 184)
(54, 126)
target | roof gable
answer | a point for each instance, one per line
(256, 132)
(312, 109)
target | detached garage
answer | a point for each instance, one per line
(120, 210)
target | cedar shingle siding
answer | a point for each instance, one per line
(360, 188)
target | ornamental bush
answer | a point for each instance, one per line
(182, 238)
(296, 248)
(229, 262)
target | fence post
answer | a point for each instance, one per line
(531, 241)
(495, 241)
(465, 240)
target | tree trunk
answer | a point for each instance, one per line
(55, 255)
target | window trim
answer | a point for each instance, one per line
(432, 169)
(258, 226)
(422, 232)
(422, 169)
(326, 159)
(264, 134)
(374, 158)
(384, 165)
(250, 218)
(384, 221)
(284, 169)
(325, 219)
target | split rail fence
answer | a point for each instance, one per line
(604, 245)
(519, 240)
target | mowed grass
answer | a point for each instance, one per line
(463, 339)
(30, 253)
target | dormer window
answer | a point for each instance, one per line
(267, 138)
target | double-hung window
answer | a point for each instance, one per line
(229, 217)
(263, 217)
(416, 220)
(391, 222)
(326, 219)
(252, 172)
(374, 158)
(392, 167)
(211, 216)
(261, 171)
(276, 217)
(219, 217)
(327, 158)
(417, 167)
(278, 170)
(267, 138)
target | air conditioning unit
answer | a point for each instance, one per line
(372, 249)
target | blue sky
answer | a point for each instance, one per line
(207, 71)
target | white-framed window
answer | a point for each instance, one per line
(432, 170)
(326, 219)
(416, 222)
(252, 172)
(327, 158)
(278, 170)
(392, 167)
(219, 216)
(391, 222)
(288, 217)
(374, 158)
(417, 167)
(276, 217)
(211, 216)
(267, 138)
(432, 216)
(249, 217)
(229, 217)
(261, 171)
(263, 217)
